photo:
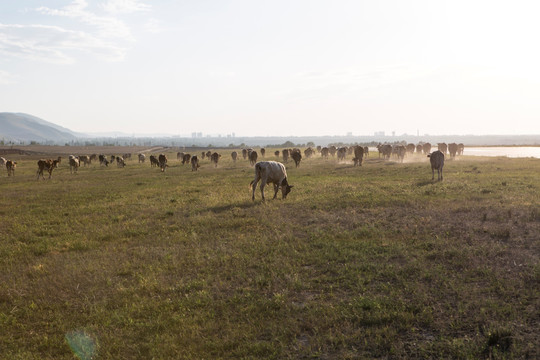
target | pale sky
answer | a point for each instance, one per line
(280, 68)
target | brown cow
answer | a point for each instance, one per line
(215, 158)
(154, 161)
(358, 155)
(427, 148)
(162, 160)
(194, 163)
(263, 152)
(252, 157)
(48, 165)
(234, 156)
(285, 154)
(186, 159)
(271, 172)
(73, 164)
(297, 157)
(436, 159)
(453, 149)
(10, 166)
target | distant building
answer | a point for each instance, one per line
(349, 133)
(379, 133)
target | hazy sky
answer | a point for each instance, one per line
(291, 67)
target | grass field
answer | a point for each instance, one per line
(363, 262)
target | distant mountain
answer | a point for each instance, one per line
(24, 127)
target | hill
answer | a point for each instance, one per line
(19, 127)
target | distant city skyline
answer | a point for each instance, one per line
(280, 68)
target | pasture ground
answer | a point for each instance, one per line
(363, 262)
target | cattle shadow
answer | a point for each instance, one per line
(426, 182)
(223, 208)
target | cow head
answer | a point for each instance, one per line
(285, 188)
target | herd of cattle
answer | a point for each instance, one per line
(265, 171)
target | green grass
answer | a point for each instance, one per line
(369, 262)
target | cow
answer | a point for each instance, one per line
(332, 150)
(324, 152)
(234, 156)
(297, 157)
(410, 148)
(126, 156)
(84, 159)
(252, 157)
(419, 149)
(203, 155)
(209, 154)
(153, 161)
(461, 148)
(120, 162)
(142, 158)
(162, 160)
(215, 158)
(400, 151)
(358, 155)
(93, 157)
(10, 166)
(366, 151)
(270, 172)
(194, 163)
(103, 160)
(73, 164)
(436, 159)
(442, 147)
(244, 153)
(263, 152)
(186, 159)
(3, 161)
(48, 165)
(276, 153)
(341, 153)
(309, 152)
(113, 158)
(285, 154)
(453, 149)
(385, 150)
(180, 157)
(427, 148)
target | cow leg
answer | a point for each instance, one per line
(263, 184)
(276, 188)
(433, 174)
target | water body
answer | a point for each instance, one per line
(514, 152)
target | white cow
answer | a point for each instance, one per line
(271, 172)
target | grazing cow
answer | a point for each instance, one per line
(142, 158)
(419, 149)
(154, 161)
(48, 165)
(461, 148)
(252, 157)
(263, 152)
(84, 159)
(366, 151)
(453, 149)
(73, 164)
(194, 163)
(244, 153)
(203, 155)
(442, 147)
(209, 154)
(319, 148)
(93, 157)
(3, 161)
(309, 152)
(234, 156)
(113, 158)
(270, 172)
(436, 159)
(126, 156)
(427, 148)
(120, 162)
(10, 166)
(297, 157)
(276, 153)
(186, 159)
(162, 160)
(285, 154)
(358, 155)
(180, 156)
(215, 158)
